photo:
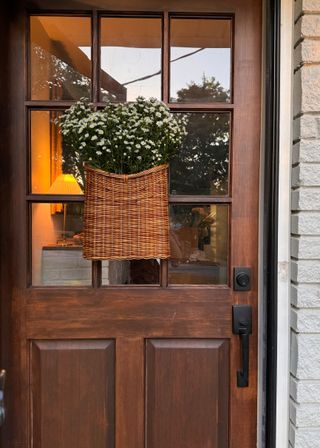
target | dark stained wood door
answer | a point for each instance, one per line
(150, 362)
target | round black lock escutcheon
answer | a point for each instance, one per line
(243, 279)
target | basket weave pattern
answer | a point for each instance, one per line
(126, 216)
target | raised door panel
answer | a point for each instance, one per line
(72, 394)
(187, 393)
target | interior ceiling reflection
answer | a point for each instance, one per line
(128, 32)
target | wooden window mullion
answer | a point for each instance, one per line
(95, 57)
(165, 57)
(96, 264)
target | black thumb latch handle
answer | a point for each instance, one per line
(243, 375)
(242, 325)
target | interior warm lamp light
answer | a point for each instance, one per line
(65, 184)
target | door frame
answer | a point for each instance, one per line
(274, 225)
(275, 222)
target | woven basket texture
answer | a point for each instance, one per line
(126, 216)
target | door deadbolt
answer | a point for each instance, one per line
(242, 279)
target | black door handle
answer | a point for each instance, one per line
(242, 325)
(243, 375)
(2, 406)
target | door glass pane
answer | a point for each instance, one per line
(57, 256)
(199, 239)
(132, 272)
(51, 157)
(60, 52)
(57, 246)
(130, 58)
(201, 166)
(200, 60)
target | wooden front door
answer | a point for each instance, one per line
(133, 354)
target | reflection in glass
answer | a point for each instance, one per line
(51, 157)
(46, 150)
(60, 51)
(57, 235)
(57, 260)
(133, 272)
(199, 244)
(130, 58)
(200, 60)
(201, 165)
(57, 246)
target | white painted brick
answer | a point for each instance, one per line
(306, 223)
(310, 25)
(304, 438)
(306, 199)
(310, 5)
(306, 247)
(306, 174)
(306, 126)
(306, 320)
(306, 151)
(307, 26)
(306, 6)
(304, 415)
(305, 356)
(305, 271)
(305, 296)
(305, 391)
(307, 89)
(308, 51)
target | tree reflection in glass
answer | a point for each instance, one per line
(202, 164)
(200, 60)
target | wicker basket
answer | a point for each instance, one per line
(126, 216)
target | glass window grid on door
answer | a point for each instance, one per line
(204, 212)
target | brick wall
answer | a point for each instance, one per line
(305, 245)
